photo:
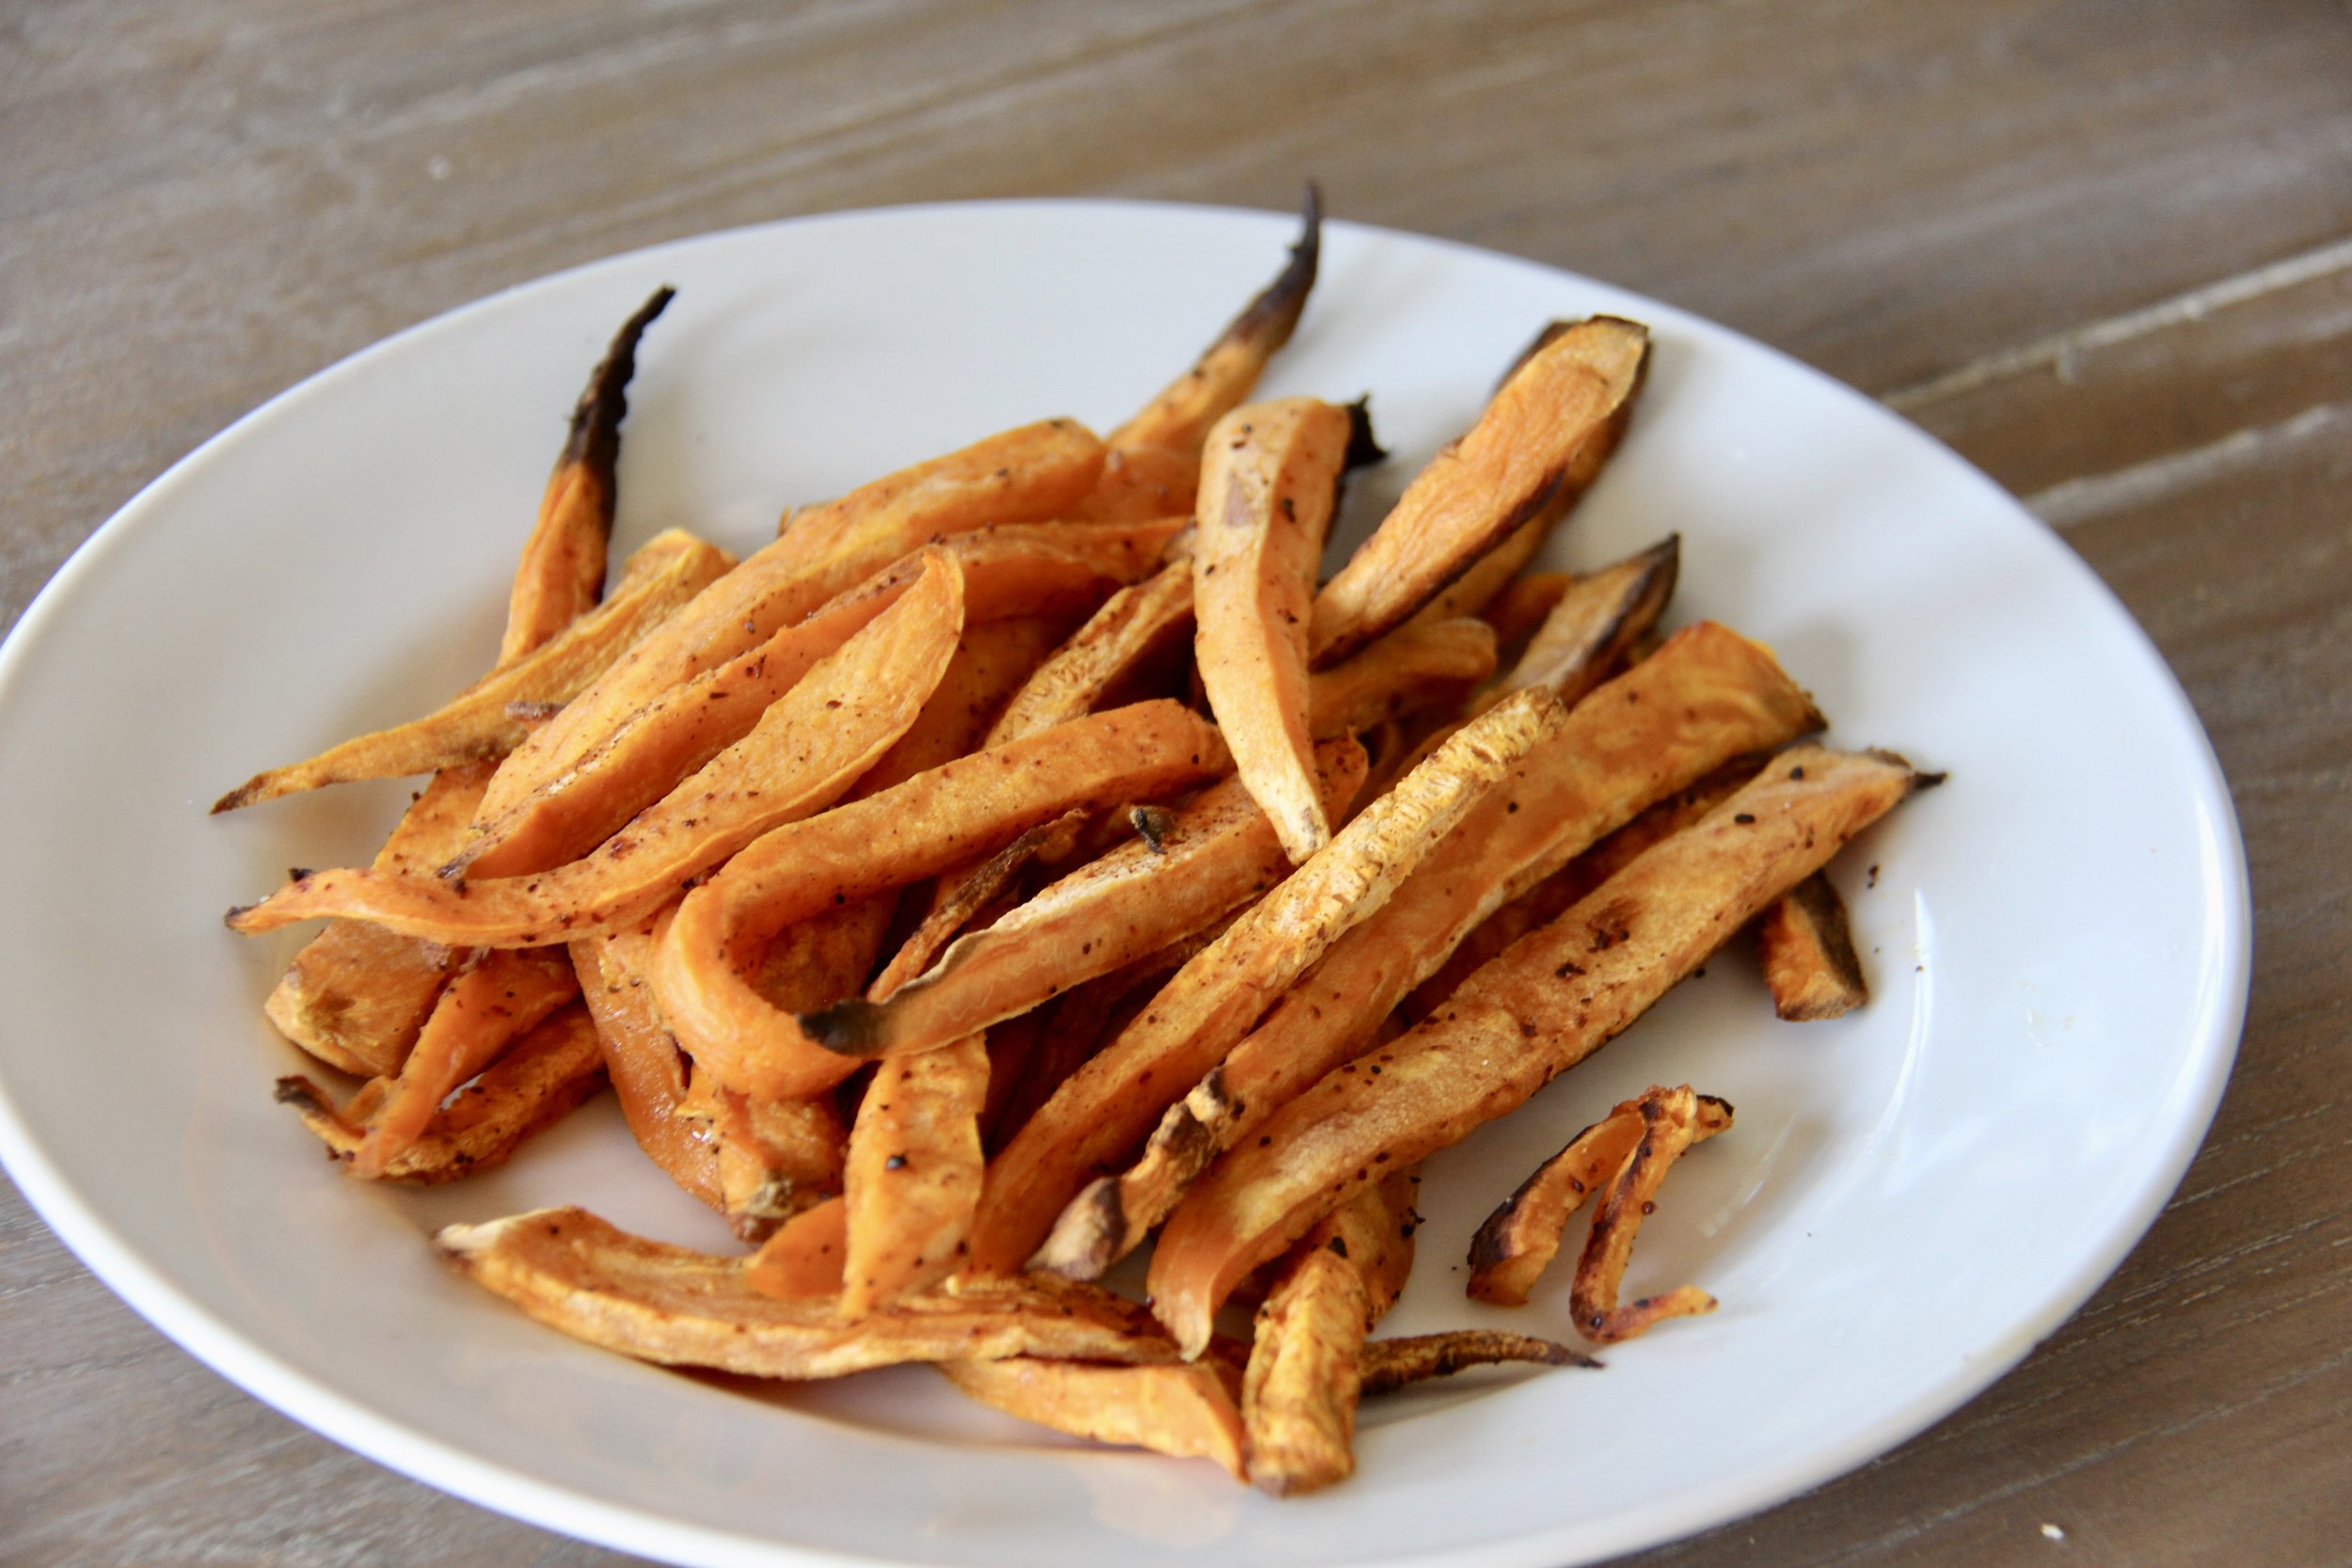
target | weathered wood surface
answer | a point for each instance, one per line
(2104, 250)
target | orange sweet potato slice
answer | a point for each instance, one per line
(1807, 953)
(1269, 480)
(583, 1276)
(941, 818)
(1485, 486)
(1549, 1000)
(913, 1176)
(1108, 1105)
(808, 748)
(496, 1001)
(641, 1058)
(477, 723)
(1184, 1410)
(1305, 1375)
(531, 1086)
(1418, 667)
(1017, 570)
(1593, 623)
(803, 1259)
(1209, 857)
(355, 996)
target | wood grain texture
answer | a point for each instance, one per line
(2104, 249)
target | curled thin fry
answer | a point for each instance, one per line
(1669, 1123)
(1521, 1236)
(1392, 1364)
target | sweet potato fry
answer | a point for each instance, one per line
(500, 998)
(776, 1157)
(962, 895)
(1268, 482)
(574, 1272)
(355, 996)
(1013, 571)
(1213, 855)
(1298, 1395)
(1520, 608)
(1142, 482)
(531, 1087)
(1809, 962)
(1031, 474)
(1550, 898)
(914, 1175)
(1485, 486)
(1547, 1002)
(1392, 1364)
(1594, 622)
(1709, 694)
(1521, 1236)
(803, 1259)
(1415, 668)
(1074, 1026)
(1109, 1104)
(1180, 417)
(1127, 630)
(810, 746)
(934, 822)
(642, 1059)
(476, 723)
(1669, 1123)
(1184, 1410)
(562, 573)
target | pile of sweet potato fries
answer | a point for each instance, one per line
(1025, 853)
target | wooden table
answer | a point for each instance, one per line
(2102, 250)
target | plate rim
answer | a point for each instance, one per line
(2214, 1034)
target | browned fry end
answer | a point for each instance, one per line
(1808, 955)
(1392, 1364)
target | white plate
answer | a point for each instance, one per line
(1913, 1196)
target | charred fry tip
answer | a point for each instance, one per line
(1394, 1364)
(1152, 824)
(850, 1027)
(295, 1089)
(243, 796)
(1274, 312)
(237, 913)
(1089, 1237)
(1363, 448)
(1720, 1104)
(595, 438)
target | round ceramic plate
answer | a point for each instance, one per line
(1912, 1197)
